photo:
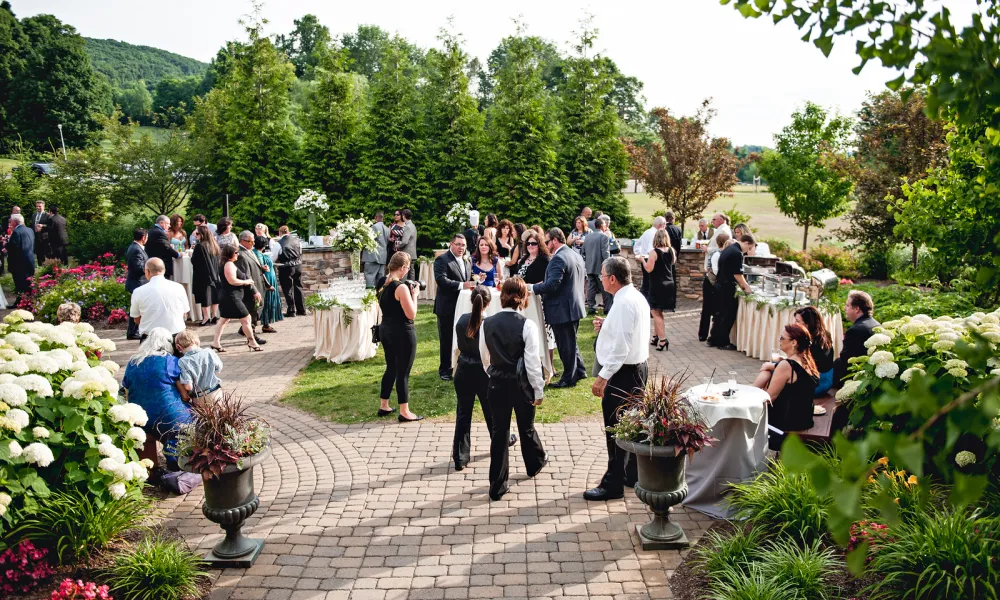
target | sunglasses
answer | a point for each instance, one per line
(531, 244)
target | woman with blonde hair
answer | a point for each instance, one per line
(399, 337)
(661, 285)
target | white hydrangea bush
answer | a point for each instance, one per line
(62, 425)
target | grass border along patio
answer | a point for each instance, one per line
(348, 393)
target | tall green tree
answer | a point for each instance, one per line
(453, 134)
(591, 155)
(801, 172)
(11, 42)
(528, 184)
(135, 102)
(174, 97)
(305, 45)
(544, 54)
(368, 47)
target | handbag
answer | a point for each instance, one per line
(522, 381)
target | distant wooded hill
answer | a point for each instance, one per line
(125, 63)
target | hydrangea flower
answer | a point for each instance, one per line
(40, 433)
(117, 490)
(958, 372)
(886, 370)
(944, 345)
(848, 390)
(21, 342)
(947, 336)
(103, 438)
(921, 318)
(35, 383)
(112, 451)
(881, 357)
(137, 434)
(111, 366)
(15, 449)
(913, 329)
(133, 414)
(39, 454)
(16, 317)
(914, 349)
(18, 417)
(955, 363)
(879, 339)
(16, 367)
(5, 499)
(909, 373)
(13, 394)
(965, 458)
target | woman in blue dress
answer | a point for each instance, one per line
(484, 262)
(151, 382)
(272, 298)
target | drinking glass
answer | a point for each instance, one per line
(707, 383)
(732, 383)
(776, 355)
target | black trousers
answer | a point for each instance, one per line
(290, 279)
(471, 382)
(400, 348)
(726, 305)
(133, 327)
(569, 353)
(595, 287)
(446, 328)
(621, 464)
(707, 294)
(59, 252)
(505, 397)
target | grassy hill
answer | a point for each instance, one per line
(124, 63)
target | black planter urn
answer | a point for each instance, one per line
(661, 485)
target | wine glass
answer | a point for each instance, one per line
(776, 355)
(707, 383)
(732, 383)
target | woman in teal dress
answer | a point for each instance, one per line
(272, 298)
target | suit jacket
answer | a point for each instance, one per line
(674, 233)
(135, 265)
(409, 242)
(596, 249)
(449, 279)
(382, 239)
(21, 252)
(854, 345)
(158, 246)
(471, 237)
(58, 238)
(562, 290)
(247, 262)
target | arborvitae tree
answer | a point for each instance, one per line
(11, 41)
(388, 174)
(523, 165)
(453, 135)
(591, 155)
(332, 124)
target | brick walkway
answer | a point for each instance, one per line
(376, 512)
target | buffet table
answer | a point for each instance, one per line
(760, 320)
(341, 338)
(184, 275)
(739, 423)
(533, 312)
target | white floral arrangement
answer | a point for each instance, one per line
(312, 201)
(353, 235)
(61, 422)
(458, 214)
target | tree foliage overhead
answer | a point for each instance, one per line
(305, 45)
(684, 166)
(135, 102)
(801, 172)
(367, 48)
(124, 64)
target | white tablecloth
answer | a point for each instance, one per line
(340, 342)
(759, 323)
(533, 312)
(426, 275)
(740, 426)
(184, 275)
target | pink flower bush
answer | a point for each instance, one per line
(22, 568)
(117, 316)
(78, 590)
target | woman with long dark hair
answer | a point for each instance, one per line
(205, 275)
(485, 262)
(398, 302)
(515, 255)
(490, 227)
(532, 270)
(234, 283)
(505, 239)
(791, 384)
(507, 338)
(661, 285)
(821, 348)
(175, 233)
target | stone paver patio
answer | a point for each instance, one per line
(375, 511)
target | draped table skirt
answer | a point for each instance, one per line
(184, 275)
(759, 323)
(338, 341)
(426, 274)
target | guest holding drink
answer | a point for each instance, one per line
(399, 337)
(821, 348)
(205, 275)
(176, 235)
(579, 233)
(791, 384)
(485, 261)
(661, 284)
(506, 241)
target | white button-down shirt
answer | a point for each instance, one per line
(645, 244)
(160, 303)
(713, 244)
(624, 336)
(532, 358)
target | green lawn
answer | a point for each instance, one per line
(6, 164)
(349, 393)
(767, 220)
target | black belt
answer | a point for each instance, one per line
(290, 264)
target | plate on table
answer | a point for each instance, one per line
(709, 397)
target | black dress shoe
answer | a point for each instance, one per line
(513, 440)
(289, 315)
(499, 495)
(302, 314)
(386, 413)
(403, 419)
(599, 494)
(459, 466)
(446, 377)
(132, 337)
(259, 340)
(702, 338)
(728, 347)
(561, 384)
(630, 484)
(541, 468)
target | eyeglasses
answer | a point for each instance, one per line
(531, 244)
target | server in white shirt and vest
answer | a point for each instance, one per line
(621, 369)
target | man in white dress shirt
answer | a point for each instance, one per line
(644, 246)
(160, 302)
(621, 354)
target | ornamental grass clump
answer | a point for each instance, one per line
(719, 551)
(807, 569)
(660, 415)
(156, 569)
(782, 501)
(221, 433)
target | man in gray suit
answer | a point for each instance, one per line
(374, 260)
(562, 299)
(408, 243)
(596, 250)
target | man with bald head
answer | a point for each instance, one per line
(160, 302)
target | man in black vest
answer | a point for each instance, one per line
(452, 273)
(730, 276)
(135, 264)
(289, 265)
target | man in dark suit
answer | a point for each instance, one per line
(135, 276)
(158, 245)
(674, 233)
(858, 310)
(562, 299)
(247, 262)
(40, 222)
(452, 273)
(289, 266)
(21, 254)
(597, 249)
(58, 237)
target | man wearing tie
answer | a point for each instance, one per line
(40, 224)
(562, 299)
(452, 274)
(621, 368)
(135, 275)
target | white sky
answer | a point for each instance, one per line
(683, 50)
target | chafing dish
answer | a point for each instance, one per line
(827, 280)
(789, 268)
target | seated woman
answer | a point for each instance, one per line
(484, 262)
(152, 381)
(822, 346)
(791, 384)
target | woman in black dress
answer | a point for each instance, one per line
(822, 346)
(505, 240)
(791, 384)
(205, 275)
(507, 338)
(661, 285)
(399, 338)
(233, 283)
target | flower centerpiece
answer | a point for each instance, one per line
(661, 427)
(354, 236)
(312, 202)
(223, 443)
(458, 215)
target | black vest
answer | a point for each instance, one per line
(504, 333)
(468, 348)
(291, 251)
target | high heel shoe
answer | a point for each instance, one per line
(205, 323)
(218, 349)
(665, 344)
(254, 348)
(655, 341)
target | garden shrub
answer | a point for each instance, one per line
(784, 501)
(97, 287)
(945, 555)
(719, 550)
(806, 569)
(779, 248)
(897, 301)
(87, 241)
(22, 568)
(751, 583)
(156, 569)
(78, 590)
(62, 426)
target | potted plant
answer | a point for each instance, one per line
(223, 444)
(661, 427)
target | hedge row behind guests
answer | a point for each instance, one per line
(791, 385)
(398, 303)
